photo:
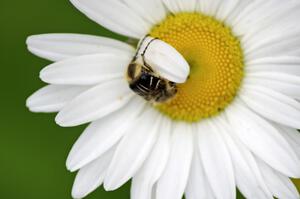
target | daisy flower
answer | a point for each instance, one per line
(225, 110)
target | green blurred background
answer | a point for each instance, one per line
(33, 149)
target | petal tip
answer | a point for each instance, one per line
(45, 74)
(29, 102)
(62, 122)
(31, 105)
(71, 163)
(42, 75)
(109, 185)
(77, 193)
(30, 39)
(70, 167)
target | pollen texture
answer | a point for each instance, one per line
(216, 64)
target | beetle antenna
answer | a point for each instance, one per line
(144, 52)
(139, 47)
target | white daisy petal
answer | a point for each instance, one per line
(283, 64)
(176, 6)
(107, 14)
(285, 88)
(189, 5)
(56, 47)
(226, 7)
(91, 176)
(165, 60)
(280, 185)
(284, 83)
(254, 7)
(271, 29)
(95, 103)
(247, 174)
(277, 11)
(53, 98)
(209, 7)
(248, 179)
(133, 149)
(274, 60)
(256, 134)
(272, 105)
(172, 5)
(152, 11)
(279, 45)
(204, 6)
(86, 70)
(173, 181)
(216, 161)
(254, 48)
(143, 182)
(236, 11)
(292, 136)
(99, 136)
(140, 189)
(198, 186)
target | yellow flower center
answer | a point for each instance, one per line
(216, 61)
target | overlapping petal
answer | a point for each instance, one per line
(216, 160)
(152, 11)
(256, 134)
(226, 8)
(292, 136)
(272, 105)
(53, 98)
(176, 6)
(144, 180)
(287, 84)
(107, 13)
(209, 7)
(282, 64)
(87, 69)
(280, 185)
(198, 186)
(133, 149)
(91, 176)
(248, 177)
(174, 179)
(95, 103)
(99, 136)
(274, 33)
(56, 47)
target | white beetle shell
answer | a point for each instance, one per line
(164, 59)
